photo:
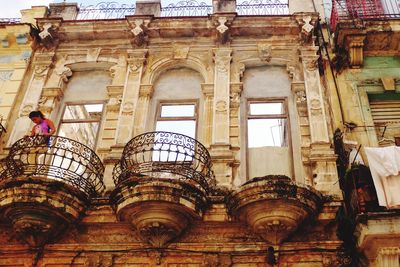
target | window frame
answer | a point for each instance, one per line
(284, 115)
(182, 102)
(81, 103)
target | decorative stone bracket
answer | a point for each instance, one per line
(138, 26)
(306, 24)
(222, 25)
(48, 35)
(354, 44)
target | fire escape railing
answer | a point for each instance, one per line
(56, 158)
(345, 10)
(165, 155)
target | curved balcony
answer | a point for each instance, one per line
(46, 184)
(274, 206)
(161, 183)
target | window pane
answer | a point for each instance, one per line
(177, 110)
(83, 112)
(183, 127)
(266, 132)
(266, 109)
(85, 133)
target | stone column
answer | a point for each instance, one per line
(322, 157)
(222, 58)
(206, 129)
(136, 62)
(388, 257)
(40, 65)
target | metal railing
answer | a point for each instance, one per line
(105, 10)
(10, 21)
(190, 8)
(184, 8)
(347, 10)
(263, 8)
(57, 158)
(165, 155)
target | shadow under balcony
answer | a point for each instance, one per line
(274, 206)
(162, 182)
(46, 184)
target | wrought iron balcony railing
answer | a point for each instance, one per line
(348, 10)
(184, 8)
(165, 155)
(56, 158)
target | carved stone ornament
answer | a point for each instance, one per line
(222, 62)
(221, 106)
(128, 108)
(307, 27)
(221, 24)
(180, 52)
(48, 36)
(264, 52)
(26, 109)
(93, 54)
(311, 63)
(40, 70)
(5, 75)
(138, 27)
(138, 32)
(64, 72)
(315, 106)
(274, 206)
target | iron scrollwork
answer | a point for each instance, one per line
(57, 158)
(156, 154)
(105, 10)
(263, 8)
(186, 8)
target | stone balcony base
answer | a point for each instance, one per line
(274, 206)
(159, 209)
(40, 209)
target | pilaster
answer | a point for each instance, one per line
(222, 59)
(41, 64)
(206, 130)
(322, 157)
(145, 94)
(136, 62)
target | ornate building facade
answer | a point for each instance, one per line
(203, 138)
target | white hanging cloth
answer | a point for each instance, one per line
(384, 163)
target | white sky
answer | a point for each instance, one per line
(11, 8)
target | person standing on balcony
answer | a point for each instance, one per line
(42, 126)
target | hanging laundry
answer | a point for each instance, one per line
(384, 163)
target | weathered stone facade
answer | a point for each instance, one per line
(218, 216)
